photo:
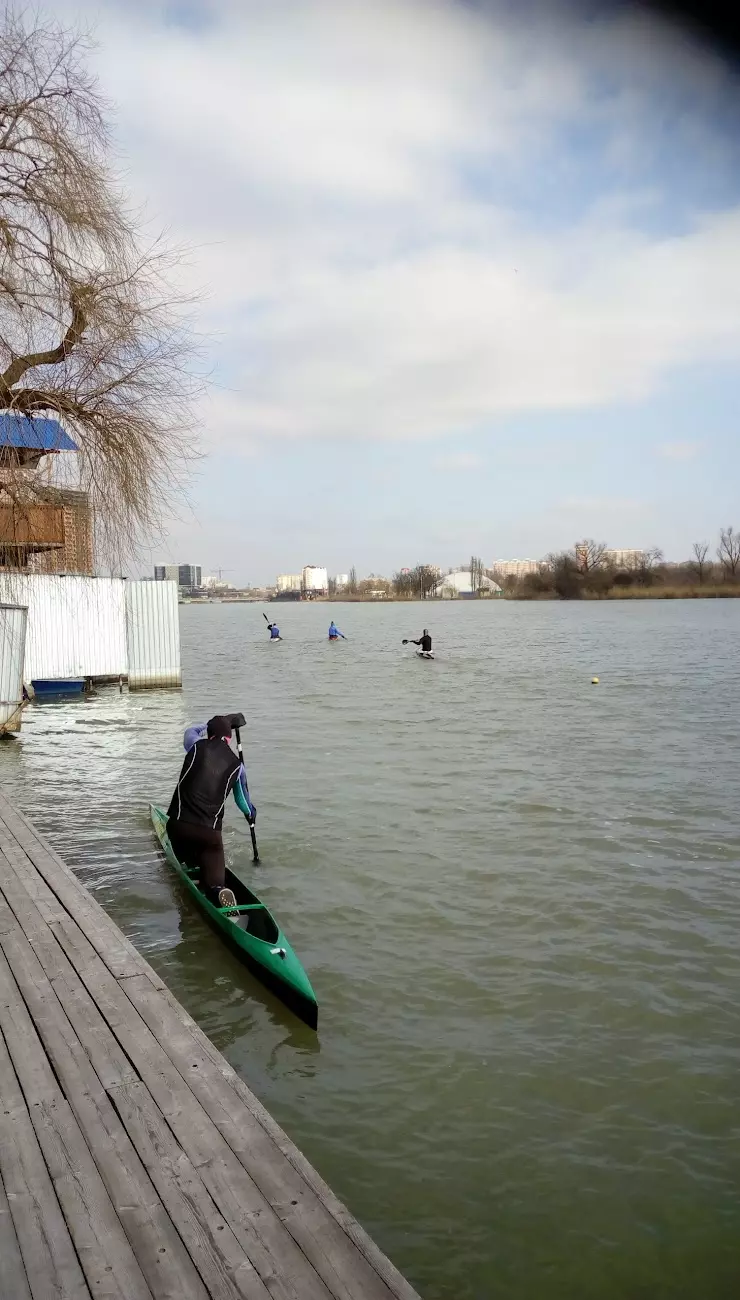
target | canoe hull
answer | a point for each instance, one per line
(254, 936)
(51, 686)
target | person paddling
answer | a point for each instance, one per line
(274, 631)
(334, 632)
(210, 773)
(424, 643)
(199, 731)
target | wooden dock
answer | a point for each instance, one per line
(134, 1162)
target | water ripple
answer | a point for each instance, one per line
(517, 896)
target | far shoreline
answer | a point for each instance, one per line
(613, 594)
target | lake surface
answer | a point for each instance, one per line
(517, 896)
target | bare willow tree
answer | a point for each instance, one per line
(646, 565)
(590, 555)
(477, 573)
(429, 579)
(92, 332)
(700, 565)
(728, 552)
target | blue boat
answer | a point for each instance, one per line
(58, 686)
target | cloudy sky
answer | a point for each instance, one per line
(471, 273)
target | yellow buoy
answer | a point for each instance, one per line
(594, 681)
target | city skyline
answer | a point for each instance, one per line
(324, 580)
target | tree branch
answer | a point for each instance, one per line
(52, 356)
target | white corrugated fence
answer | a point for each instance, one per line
(88, 627)
(76, 626)
(13, 619)
(153, 635)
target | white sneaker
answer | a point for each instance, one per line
(227, 898)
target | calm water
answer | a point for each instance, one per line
(517, 896)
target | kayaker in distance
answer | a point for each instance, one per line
(274, 631)
(334, 632)
(210, 773)
(424, 643)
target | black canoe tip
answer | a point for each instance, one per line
(303, 1008)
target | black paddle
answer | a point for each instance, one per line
(255, 851)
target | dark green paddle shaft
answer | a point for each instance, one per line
(255, 851)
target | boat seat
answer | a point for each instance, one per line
(244, 907)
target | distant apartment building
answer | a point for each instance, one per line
(214, 583)
(515, 568)
(187, 576)
(288, 582)
(624, 559)
(341, 581)
(314, 580)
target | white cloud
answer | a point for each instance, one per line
(457, 460)
(318, 155)
(620, 521)
(680, 451)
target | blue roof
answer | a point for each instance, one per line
(34, 434)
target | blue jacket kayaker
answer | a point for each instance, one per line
(210, 773)
(274, 631)
(334, 632)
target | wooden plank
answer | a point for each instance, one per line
(349, 1262)
(394, 1280)
(13, 1280)
(340, 1261)
(161, 1255)
(102, 1048)
(252, 1219)
(108, 1059)
(107, 1260)
(221, 1261)
(386, 1270)
(16, 907)
(49, 1257)
(116, 951)
(17, 859)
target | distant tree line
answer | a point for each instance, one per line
(589, 570)
(419, 583)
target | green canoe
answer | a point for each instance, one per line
(252, 931)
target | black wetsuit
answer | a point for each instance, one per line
(425, 643)
(196, 811)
